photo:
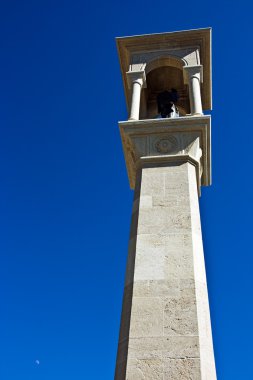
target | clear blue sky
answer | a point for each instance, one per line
(65, 201)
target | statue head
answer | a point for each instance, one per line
(166, 103)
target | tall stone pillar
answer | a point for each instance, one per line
(165, 331)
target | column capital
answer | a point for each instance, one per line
(193, 71)
(136, 77)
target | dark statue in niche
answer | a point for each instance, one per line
(166, 103)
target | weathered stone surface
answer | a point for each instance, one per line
(164, 347)
(140, 369)
(147, 314)
(183, 369)
(180, 316)
(165, 328)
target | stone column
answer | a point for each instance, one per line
(165, 329)
(136, 80)
(193, 77)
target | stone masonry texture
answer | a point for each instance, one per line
(165, 331)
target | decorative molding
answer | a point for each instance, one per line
(169, 57)
(191, 71)
(168, 140)
(136, 76)
(166, 144)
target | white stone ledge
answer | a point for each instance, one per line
(187, 135)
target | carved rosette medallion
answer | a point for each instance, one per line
(166, 145)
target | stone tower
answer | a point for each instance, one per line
(165, 331)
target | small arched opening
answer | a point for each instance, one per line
(162, 75)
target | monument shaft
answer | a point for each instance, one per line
(165, 331)
(165, 328)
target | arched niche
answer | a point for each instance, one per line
(163, 73)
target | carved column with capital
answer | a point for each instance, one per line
(136, 80)
(193, 76)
